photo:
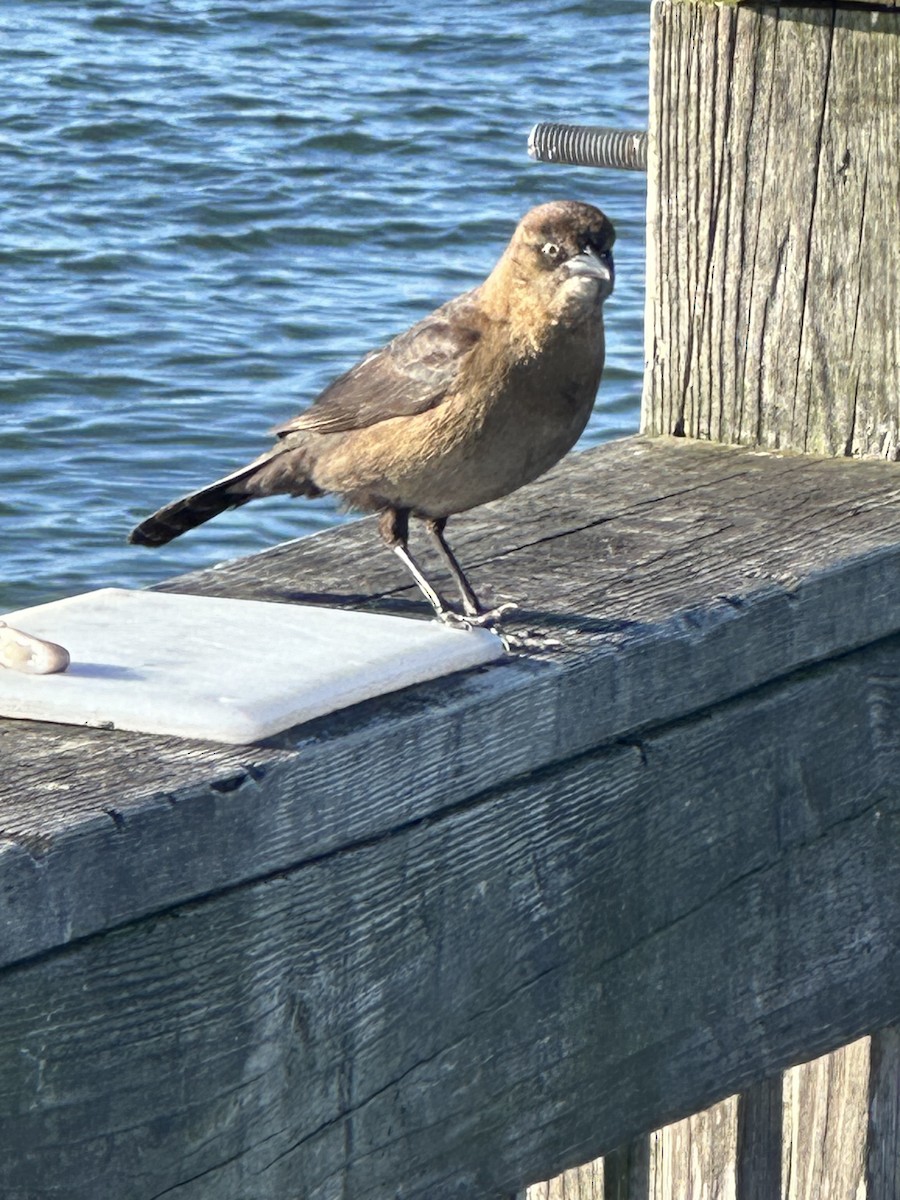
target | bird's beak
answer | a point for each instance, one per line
(590, 262)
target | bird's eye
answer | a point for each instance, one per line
(550, 249)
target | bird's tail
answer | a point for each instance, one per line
(266, 477)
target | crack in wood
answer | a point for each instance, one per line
(818, 167)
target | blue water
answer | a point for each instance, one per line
(208, 208)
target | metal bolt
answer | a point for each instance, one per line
(589, 146)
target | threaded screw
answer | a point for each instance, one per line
(589, 146)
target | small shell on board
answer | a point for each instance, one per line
(21, 651)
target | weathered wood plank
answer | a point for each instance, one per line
(732, 1151)
(842, 1123)
(772, 235)
(826, 1121)
(696, 1156)
(871, 5)
(883, 1132)
(626, 1171)
(839, 1135)
(386, 1020)
(623, 1174)
(673, 575)
(581, 1183)
(759, 1141)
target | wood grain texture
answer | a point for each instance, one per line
(842, 1123)
(626, 1172)
(773, 247)
(493, 994)
(836, 1125)
(883, 1134)
(759, 1141)
(871, 5)
(581, 1183)
(826, 1119)
(673, 575)
(696, 1156)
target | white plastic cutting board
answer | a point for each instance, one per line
(229, 670)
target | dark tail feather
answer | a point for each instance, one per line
(188, 512)
(257, 479)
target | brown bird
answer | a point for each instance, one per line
(479, 398)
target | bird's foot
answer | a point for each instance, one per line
(518, 642)
(479, 620)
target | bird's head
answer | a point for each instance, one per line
(559, 261)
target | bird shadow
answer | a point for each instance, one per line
(571, 622)
(361, 602)
(540, 618)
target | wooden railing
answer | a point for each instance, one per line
(464, 938)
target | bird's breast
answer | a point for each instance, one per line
(514, 413)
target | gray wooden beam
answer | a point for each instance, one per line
(672, 575)
(523, 981)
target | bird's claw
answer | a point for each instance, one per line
(518, 642)
(481, 620)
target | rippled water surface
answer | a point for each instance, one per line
(208, 208)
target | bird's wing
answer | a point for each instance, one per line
(409, 375)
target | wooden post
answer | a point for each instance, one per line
(842, 1122)
(773, 254)
(696, 1156)
(883, 1133)
(622, 1175)
(581, 1183)
(825, 1124)
(759, 1141)
(626, 1172)
(829, 1127)
(773, 246)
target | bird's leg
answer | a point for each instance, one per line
(472, 607)
(394, 529)
(471, 603)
